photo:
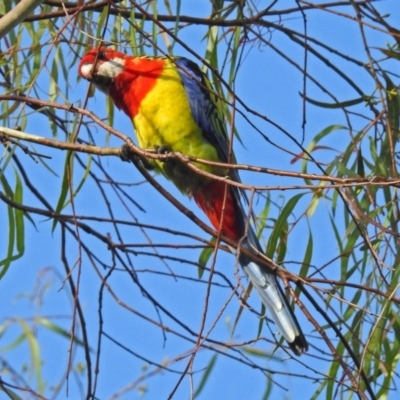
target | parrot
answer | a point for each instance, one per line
(173, 108)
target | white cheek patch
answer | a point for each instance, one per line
(103, 75)
(107, 69)
(111, 69)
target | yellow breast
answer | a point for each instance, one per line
(165, 120)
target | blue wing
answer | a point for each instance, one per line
(203, 104)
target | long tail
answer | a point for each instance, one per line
(211, 200)
(277, 306)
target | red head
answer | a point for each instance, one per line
(101, 66)
(126, 79)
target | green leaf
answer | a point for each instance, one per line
(19, 218)
(14, 344)
(360, 164)
(36, 362)
(16, 230)
(263, 216)
(280, 224)
(45, 322)
(65, 185)
(100, 21)
(390, 53)
(206, 375)
(12, 395)
(83, 180)
(205, 256)
(325, 132)
(342, 104)
(393, 115)
(305, 266)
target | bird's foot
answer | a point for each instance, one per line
(128, 155)
(163, 150)
(125, 152)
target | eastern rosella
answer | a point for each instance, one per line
(171, 106)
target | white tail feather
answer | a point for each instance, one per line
(271, 296)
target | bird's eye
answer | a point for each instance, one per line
(102, 55)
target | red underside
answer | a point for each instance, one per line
(211, 201)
